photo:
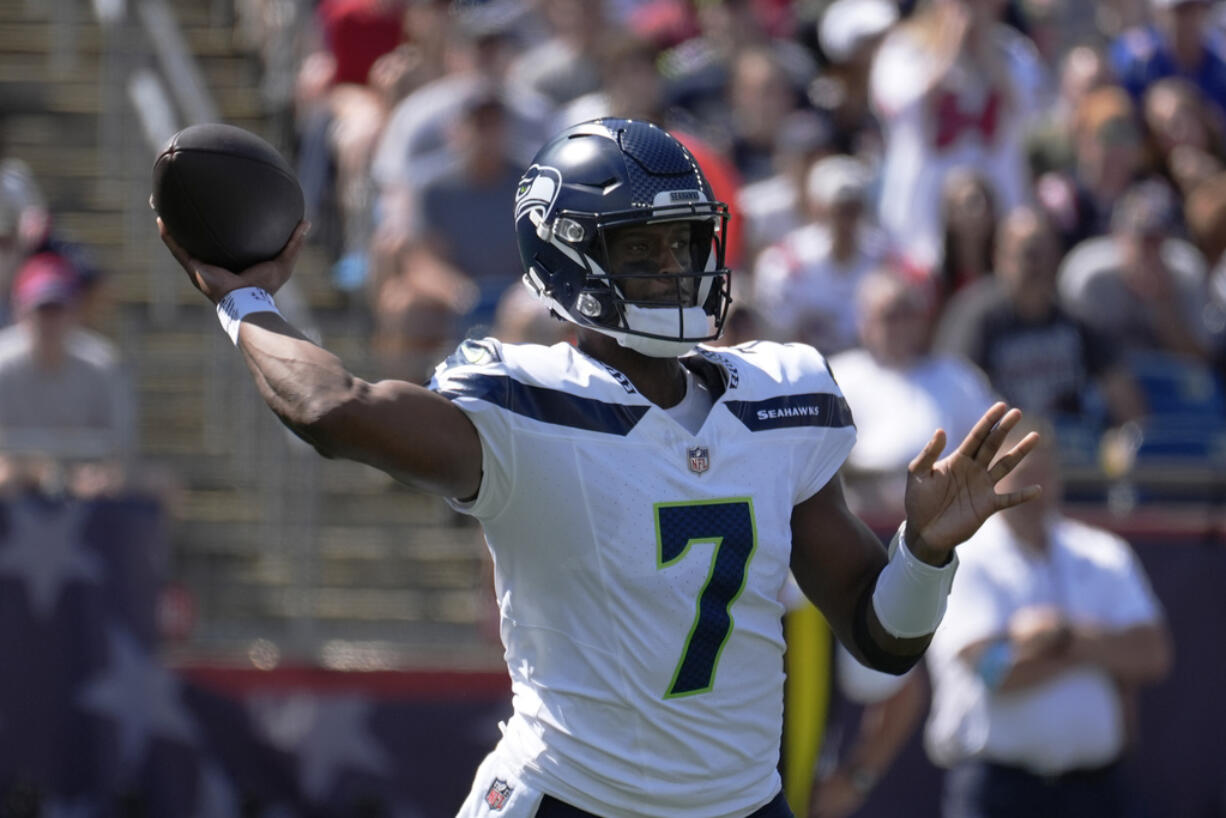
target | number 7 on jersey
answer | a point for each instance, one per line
(729, 526)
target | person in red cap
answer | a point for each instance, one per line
(63, 396)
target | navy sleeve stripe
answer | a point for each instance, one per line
(546, 405)
(787, 411)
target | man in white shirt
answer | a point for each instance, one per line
(893, 369)
(1052, 625)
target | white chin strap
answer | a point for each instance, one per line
(694, 321)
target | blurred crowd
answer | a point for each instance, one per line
(951, 199)
(67, 407)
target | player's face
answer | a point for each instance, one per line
(651, 261)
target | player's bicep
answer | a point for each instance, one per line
(835, 556)
(415, 435)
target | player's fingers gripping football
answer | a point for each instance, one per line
(272, 274)
(214, 282)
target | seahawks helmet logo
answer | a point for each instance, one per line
(537, 192)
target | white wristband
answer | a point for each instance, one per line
(238, 304)
(910, 596)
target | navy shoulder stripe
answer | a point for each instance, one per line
(815, 409)
(547, 405)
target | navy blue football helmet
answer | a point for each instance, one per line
(608, 174)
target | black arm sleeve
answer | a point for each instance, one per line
(878, 657)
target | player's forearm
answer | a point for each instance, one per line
(301, 382)
(1139, 654)
(1004, 665)
(1032, 671)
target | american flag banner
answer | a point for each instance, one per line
(94, 725)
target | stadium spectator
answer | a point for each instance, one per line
(1140, 288)
(24, 226)
(953, 88)
(1205, 214)
(63, 393)
(969, 215)
(447, 277)
(849, 33)
(356, 33)
(340, 114)
(772, 207)
(894, 368)
(700, 69)
(630, 84)
(1179, 43)
(569, 457)
(806, 284)
(760, 97)
(1052, 628)
(1109, 156)
(563, 66)
(474, 188)
(415, 139)
(1035, 355)
(1182, 133)
(1052, 141)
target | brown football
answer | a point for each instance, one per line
(225, 195)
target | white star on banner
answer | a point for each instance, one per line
(140, 696)
(327, 734)
(43, 548)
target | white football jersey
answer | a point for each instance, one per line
(638, 570)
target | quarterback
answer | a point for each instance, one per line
(643, 496)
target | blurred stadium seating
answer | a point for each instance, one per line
(327, 562)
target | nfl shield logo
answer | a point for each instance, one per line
(498, 793)
(699, 458)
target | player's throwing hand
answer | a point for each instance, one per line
(215, 282)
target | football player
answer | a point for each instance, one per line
(643, 496)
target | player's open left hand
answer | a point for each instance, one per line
(948, 499)
(215, 282)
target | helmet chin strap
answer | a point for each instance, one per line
(663, 321)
